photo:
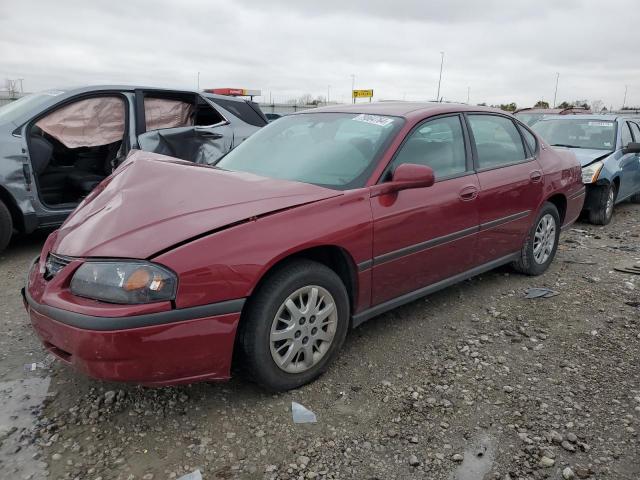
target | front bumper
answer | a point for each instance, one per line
(161, 348)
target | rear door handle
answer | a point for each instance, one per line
(535, 176)
(468, 193)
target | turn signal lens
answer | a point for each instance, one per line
(138, 279)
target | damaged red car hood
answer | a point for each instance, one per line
(153, 202)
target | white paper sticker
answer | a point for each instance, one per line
(373, 119)
(601, 124)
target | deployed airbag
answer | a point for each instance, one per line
(165, 113)
(87, 123)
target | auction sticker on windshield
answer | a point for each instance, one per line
(600, 124)
(373, 119)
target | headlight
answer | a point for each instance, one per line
(590, 172)
(124, 282)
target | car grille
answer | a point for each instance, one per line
(54, 264)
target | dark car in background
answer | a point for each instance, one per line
(608, 148)
(532, 114)
(315, 224)
(56, 146)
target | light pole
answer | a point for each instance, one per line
(440, 78)
(624, 100)
(328, 90)
(198, 81)
(555, 95)
(468, 94)
(353, 87)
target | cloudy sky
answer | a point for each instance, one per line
(503, 50)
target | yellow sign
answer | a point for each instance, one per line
(362, 93)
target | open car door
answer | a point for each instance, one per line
(181, 125)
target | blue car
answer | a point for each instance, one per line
(608, 148)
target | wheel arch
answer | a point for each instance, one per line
(14, 210)
(334, 257)
(559, 200)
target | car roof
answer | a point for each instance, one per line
(402, 109)
(586, 116)
(60, 94)
(131, 88)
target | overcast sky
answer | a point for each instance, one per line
(504, 50)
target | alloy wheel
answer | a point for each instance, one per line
(303, 329)
(544, 239)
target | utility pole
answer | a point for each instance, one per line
(624, 101)
(353, 87)
(328, 90)
(198, 81)
(440, 78)
(555, 95)
(468, 94)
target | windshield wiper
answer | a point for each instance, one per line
(565, 145)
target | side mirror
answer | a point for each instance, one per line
(405, 176)
(411, 175)
(632, 147)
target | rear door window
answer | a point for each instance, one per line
(530, 139)
(636, 132)
(498, 142)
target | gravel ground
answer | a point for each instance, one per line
(475, 382)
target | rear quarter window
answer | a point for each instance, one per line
(242, 110)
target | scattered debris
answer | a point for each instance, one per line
(195, 475)
(580, 262)
(540, 292)
(32, 367)
(634, 269)
(302, 414)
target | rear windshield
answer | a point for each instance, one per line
(335, 150)
(18, 108)
(242, 110)
(529, 118)
(578, 133)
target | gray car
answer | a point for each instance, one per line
(58, 145)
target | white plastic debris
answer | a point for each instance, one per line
(540, 293)
(32, 367)
(195, 475)
(302, 414)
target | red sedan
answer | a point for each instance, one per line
(313, 225)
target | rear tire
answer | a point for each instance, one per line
(540, 246)
(283, 344)
(6, 226)
(605, 198)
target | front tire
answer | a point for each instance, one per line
(541, 244)
(635, 198)
(294, 325)
(605, 198)
(6, 226)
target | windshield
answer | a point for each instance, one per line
(336, 150)
(578, 133)
(529, 118)
(16, 109)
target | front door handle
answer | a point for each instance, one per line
(468, 193)
(535, 176)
